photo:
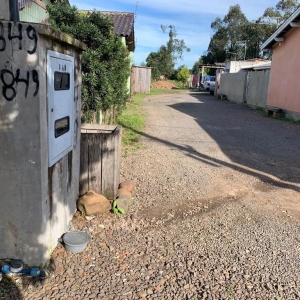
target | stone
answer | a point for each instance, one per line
(142, 294)
(124, 202)
(92, 203)
(122, 192)
(128, 185)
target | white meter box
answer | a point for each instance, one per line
(60, 76)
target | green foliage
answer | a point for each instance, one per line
(164, 60)
(105, 63)
(183, 74)
(234, 27)
(117, 210)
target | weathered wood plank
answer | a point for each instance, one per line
(110, 168)
(95, 165)
(84, 165)
(101, 151)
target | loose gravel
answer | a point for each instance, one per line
(216, 213)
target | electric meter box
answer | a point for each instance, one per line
(60, 69)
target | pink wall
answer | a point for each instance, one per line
(284, 85)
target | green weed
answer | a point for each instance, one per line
(284, 119)
(230, 291)
(117, 210)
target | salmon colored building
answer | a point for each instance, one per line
(284, 85)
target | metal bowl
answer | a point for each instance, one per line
(75, 241)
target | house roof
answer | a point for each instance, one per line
(283, 30)
(123, 22)
(258, 66)
(123, 25)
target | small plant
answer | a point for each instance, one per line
(117, 210)
(230, 291)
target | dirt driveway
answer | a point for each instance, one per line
(223, 182)
(198, 147)
(216, 217)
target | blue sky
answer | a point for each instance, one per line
(191, 19)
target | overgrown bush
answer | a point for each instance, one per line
(105, 63)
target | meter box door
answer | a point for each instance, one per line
(60, 76)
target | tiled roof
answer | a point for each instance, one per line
(123, 25)
(123, 22)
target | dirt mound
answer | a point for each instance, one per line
(163, 84)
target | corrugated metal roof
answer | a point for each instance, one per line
(123, 25)
(258, 66)
(23, 3)
(123, 22)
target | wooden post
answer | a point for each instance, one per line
(100, 159)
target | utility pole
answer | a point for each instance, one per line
(245, 44)
(234, 53)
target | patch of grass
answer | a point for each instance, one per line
(132, 120)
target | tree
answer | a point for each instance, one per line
(163, 61)
(105, 63)
(234, 27)
(278, 14)
(286, 7)
(195, 68)
(183, 74)
(267, 24)
(228, 32)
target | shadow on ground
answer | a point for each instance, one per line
(257, 146)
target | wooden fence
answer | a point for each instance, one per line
(100, 159)
(140, 80)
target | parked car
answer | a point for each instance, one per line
(209, 83)
(212, 87)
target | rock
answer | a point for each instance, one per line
(124, 202)
(92, 203)
(128, 185)
(142, 294)
(122, 192)
(59, 270)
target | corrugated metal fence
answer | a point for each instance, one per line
(140, 80)
(22, 3)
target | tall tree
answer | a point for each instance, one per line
(228, 32)
(286, 7)
(278, 14)
(234, 27)
(163, 61)
(265, 25)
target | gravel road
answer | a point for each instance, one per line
(216, 217)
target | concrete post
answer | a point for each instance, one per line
(9, 10)
(5, 10)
